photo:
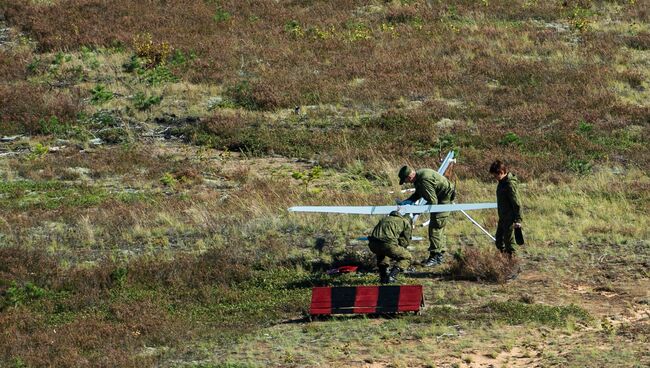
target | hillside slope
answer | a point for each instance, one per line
(149, 151)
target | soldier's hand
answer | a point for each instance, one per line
(405, 202)
(517, 225)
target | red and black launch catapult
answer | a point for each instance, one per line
(366, 299)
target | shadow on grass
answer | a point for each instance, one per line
(346, 317)
(438, 275)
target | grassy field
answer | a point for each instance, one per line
(150, 150)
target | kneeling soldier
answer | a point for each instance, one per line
(389, 240)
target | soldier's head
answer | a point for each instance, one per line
(498, 170)
(406, 175)
(395, 214)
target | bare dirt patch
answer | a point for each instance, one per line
(515, 357)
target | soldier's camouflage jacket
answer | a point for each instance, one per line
(393, 228)
(508, 203)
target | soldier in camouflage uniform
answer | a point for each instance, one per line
(435, 189)
(389, 240)
(508, 207)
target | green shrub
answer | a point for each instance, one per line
(103, 119)
(19, 363)
(52, 126)
(579, 166)
(20, 295)
(154, 74)
(58, 128)
(168, 180)
(179, 58)
(308, 176)
(38, 151)
(158, 75)
(580, 18)
(294, 29)
(118, 276)
(511, 139)
(221, 15)
(585, 128)
(33, 65)
(132, 65)
(143, 102)
(59, 58)
(89, 58)
(100, 94)
(358, 32)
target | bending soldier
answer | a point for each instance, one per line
(508, 207)
(389, 240)
(435, 189)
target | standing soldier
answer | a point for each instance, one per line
(508, 207)
(435, 189)
(389, 240)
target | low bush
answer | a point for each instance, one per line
(114, 135)
(100, 94)
(152, 53)
(106, 313)
(23, 106)
(26, 266)
(488, 265)
(14, 65)
(215, 267)
(252, 95)
(142, 101)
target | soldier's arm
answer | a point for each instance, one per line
(414, 197)
(405, 236)
(428, 189)
(513, 193)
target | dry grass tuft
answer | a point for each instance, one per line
(20, 266)
(33, 106)
(480, 264)
(216, 266)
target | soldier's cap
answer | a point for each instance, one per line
(404, 172)
(395, 213)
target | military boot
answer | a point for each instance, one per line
(392, 277)
(383, 274)
(434, 259)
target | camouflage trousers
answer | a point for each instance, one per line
(437, 223)
(505, 238)
(385, 251)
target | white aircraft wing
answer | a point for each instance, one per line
(385, 210)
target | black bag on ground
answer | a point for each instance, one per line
(519, 236)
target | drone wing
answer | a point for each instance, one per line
(384, 210)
